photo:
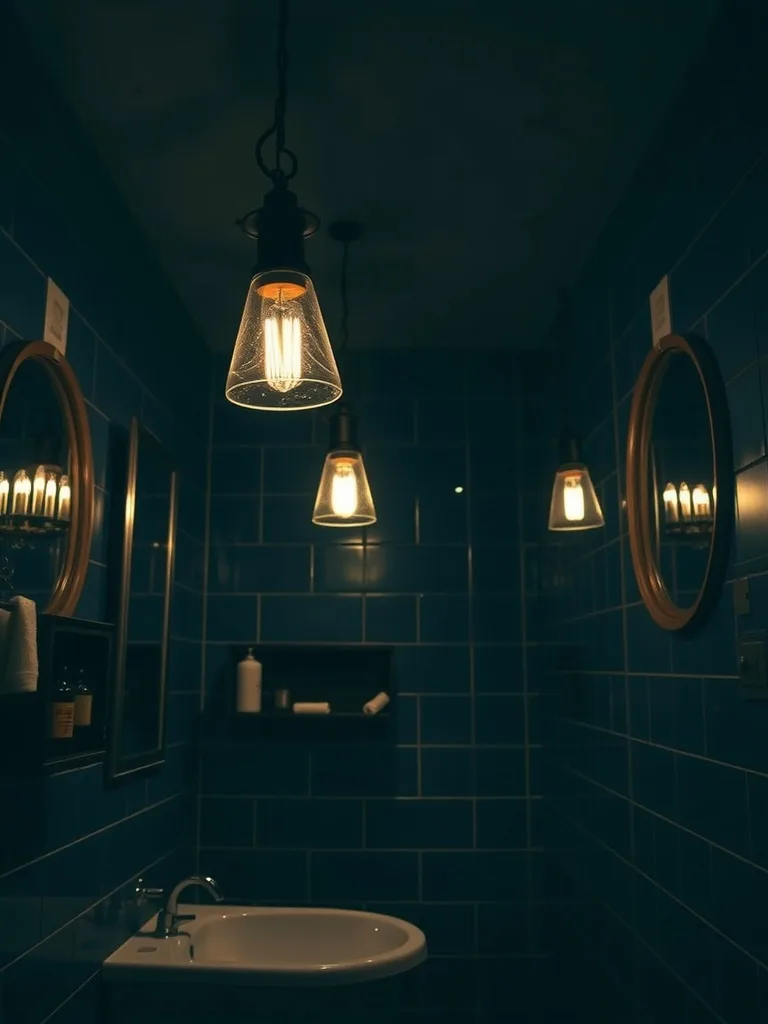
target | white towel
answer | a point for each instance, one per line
(21, 647)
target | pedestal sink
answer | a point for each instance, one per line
(286, 946)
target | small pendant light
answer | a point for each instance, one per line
(344, 495)
(282, 358)
(574, 504)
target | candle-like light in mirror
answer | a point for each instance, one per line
(701, 504)
(49, 504)
(65, 498)
(22, 488)
(685, 500)
(38, 491)
(671, 510)
(5, 487)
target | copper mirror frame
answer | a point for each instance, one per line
(641, 504)
(69, 585)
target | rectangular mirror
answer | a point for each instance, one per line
(143, 494)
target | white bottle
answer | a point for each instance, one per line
(249, 683)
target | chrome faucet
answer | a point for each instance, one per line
(169, 919)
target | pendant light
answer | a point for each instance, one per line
(282, 358)
(344, 495)
(574, 504)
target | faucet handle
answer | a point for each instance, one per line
(146, 892)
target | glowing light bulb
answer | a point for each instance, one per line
(49, 504)
(671, 510)
(282, 352)
(685, 500)
(573, 499)
(344, 489)
(38, 491)
(22, 487)
(5, 487)
(65, 499)
(701, 503)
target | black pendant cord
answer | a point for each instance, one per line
(344, 304)
(277, 175)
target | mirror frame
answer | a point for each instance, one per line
(653, 590)
(69, 586)
(118, 766)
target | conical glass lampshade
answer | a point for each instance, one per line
(574, 502)
(344, 497)
(282, 359)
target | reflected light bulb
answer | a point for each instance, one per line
(573, 499)
(65, 499)
(38, 491)
(344, 489)
(49, 504)
(5, 487)
(22, 487)
(701, 505)
(671, 510)
(685, 500)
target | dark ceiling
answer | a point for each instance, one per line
(483, 145)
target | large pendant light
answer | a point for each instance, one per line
(344, 495)
(282, 358)
(574, 504)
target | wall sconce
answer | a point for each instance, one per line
(35, 503)
(685, 511)
(574, 504)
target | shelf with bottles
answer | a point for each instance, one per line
(343, 677)
(61, 724)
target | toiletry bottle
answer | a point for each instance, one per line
(249, 683)
(62, 709)
(83, 701)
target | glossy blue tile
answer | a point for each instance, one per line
(483, 876)
(390, 619)
(81, 352)
(268, 769)
(233, 424)
(310, 824)
(22, 292)
(499, 668)
(226, 821)
(251, 569)
(714, 803)
(447, 771)
(500, 771)
(745, 402)
(315, 618)
(364, 771)
(497, 618)
(499, 719)
(418, 824)
(269, 876)
(442, 515)
(232, 618)
(432, 668)
(502, 825)
(288, 520)
(414, 569)
(731, 330)
(236, 471)
(117, 392)
(293, 470)
(365, 875)
(495, 569)
(444, 618)
(446, 720)
(235, 521)
(441, 421)
(339, 568)
(386, 420)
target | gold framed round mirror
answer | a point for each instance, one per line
(46, 477)
(680, 485)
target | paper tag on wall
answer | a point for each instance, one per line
(661, 317)
(56, 317)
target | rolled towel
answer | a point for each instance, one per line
(375, 704)
(312, 708)
(21, 669)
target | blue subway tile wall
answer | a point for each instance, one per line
(432, 821)
(71, 846)
(656, 769)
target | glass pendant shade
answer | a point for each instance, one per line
(282, 359)
(344, 497)
(574, 503)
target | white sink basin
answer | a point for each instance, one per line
(272, 946)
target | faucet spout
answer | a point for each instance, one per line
(168, 919)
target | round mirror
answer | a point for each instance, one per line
(46, 479)
(679, 481)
